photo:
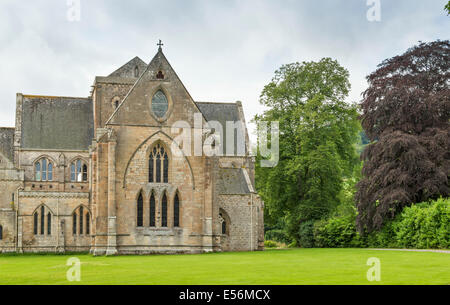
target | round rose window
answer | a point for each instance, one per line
(160, 105)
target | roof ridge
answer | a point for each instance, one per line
(229, 103)
(54, 96)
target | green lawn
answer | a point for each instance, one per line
(293, 266)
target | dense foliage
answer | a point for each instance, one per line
(422, 226)
(406, 116)
(279, 235)
(426, 226)
(306, 234)
(318, 132)
(447, 8)
(337, 232)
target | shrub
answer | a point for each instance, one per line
(270, 244)
(339, 232)
(421, 226)
(385, 238)
(425, 225)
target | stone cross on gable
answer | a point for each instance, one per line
(160, 44)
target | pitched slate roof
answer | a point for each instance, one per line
(231, 181)
(7, 142)
(127, 70)
(222, 113)
(57, 123)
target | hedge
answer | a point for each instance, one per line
(421, 226)
(424, 226)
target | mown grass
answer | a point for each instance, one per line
(291, 266)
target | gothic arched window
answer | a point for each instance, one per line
(43, 170)
(81, 220)
(158, 165)
(159, 75)
(88, 222)
(35, 223)
(136, 71)
(37, 170)
(176, 211)
(160, 104)
(224, 227)
(115, 102)
(140, 211)
(164, 211)
(79, 216)
(49, 223)
(152, 211)
(42, 221)
(1, 232)
(151, 167)
(224, 220)
(50, 172)
(85, 178)
(165, 168)
(78, 171)
(74, 223)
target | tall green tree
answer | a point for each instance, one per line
(318, 132)
(447, 8)
(406, 114)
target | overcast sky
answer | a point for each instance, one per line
(222, 50)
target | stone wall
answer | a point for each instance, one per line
(107, 91)
(183, 174)
(8, 223)
(11, 180)
(245, 227)
(61, 205)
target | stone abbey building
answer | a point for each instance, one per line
(106, 174)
